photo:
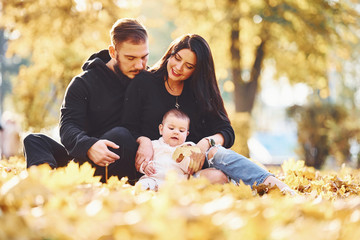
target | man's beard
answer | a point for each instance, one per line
(117, 68)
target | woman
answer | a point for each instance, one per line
(184, 78)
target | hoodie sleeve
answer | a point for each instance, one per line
(73, 121)
(221, 124)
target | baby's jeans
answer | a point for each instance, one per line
(238, 167)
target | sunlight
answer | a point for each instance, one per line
(93, 207)
(80, 5)
(281, 94)
(257, 19)
(128, 3)
(357, 98)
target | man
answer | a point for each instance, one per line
(92, 109)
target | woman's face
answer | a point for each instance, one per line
(181, 65)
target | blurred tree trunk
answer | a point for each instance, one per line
(245, 92)
(299, 40)
(245, 89)
(239, 120)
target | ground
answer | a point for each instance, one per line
(70, 203)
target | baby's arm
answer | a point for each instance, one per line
(148, 168)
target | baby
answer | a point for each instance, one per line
(174, 129)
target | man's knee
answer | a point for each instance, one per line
(29, 139)
(122, 137)
(32, 141)
(36, 138)
(117, 133)
(40, 149)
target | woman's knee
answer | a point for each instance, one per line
(214, 176)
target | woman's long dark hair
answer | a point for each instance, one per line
(203, 80)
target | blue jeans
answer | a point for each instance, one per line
(238, 167)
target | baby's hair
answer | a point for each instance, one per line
(177, 113)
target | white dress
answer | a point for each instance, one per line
(163, 164)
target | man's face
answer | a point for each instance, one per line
(131, 58)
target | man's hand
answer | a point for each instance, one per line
(145, 152)
(101, 155)
(196, 162)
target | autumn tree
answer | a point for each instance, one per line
(57, 37)
(298, 38)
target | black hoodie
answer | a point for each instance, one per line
(92, 105)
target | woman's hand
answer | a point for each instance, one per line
(145, 152)
(196, 162)
(197, 159)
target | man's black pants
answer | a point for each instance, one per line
(40, 149)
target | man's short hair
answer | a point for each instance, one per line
(128, 29)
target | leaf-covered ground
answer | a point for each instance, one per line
(69, 203)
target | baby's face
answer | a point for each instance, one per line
(174, 130)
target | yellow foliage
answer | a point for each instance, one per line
(56, 37)
(70, 203)
(241, 122)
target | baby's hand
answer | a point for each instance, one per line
(150, 169)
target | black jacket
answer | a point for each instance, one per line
(147, 100)
(92, 105)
